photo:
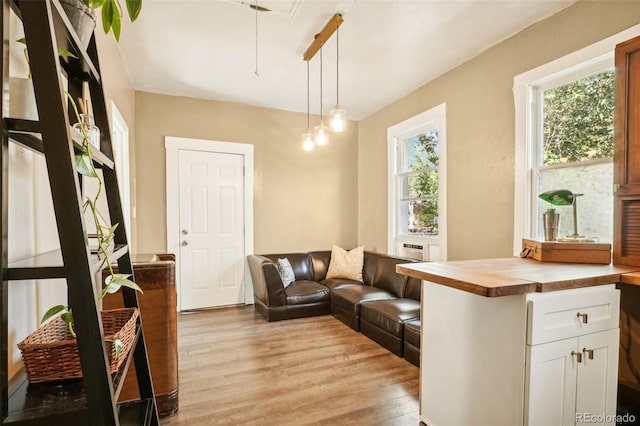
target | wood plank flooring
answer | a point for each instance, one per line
(237, 369)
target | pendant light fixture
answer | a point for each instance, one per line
(338, 121)
(307, 137)
(321, 130)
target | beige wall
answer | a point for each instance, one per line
(480, 130)
(302, 200)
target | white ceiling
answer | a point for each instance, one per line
(206, 48)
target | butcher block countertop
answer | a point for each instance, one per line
(514, 275)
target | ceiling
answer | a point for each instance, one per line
(207, 48)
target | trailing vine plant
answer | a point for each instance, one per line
(104, 231)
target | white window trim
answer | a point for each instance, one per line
(412, 125)
(586, 60)
(173, 145)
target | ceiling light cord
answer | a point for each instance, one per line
(257, 73)
(308, 96)
(337, 67)
(320, 84)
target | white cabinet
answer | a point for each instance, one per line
(573, 379)
(508, 360)
(572, 357)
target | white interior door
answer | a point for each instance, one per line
(211, 192)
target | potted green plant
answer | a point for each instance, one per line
(82, 15)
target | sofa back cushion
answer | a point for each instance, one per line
(300, 262)
(413, 289)
(320, 264)
(386, 277)
(369, 267)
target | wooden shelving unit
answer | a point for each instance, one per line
(91, 400)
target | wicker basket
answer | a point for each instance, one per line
(50, 353)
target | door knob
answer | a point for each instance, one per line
(185, 232)
(185, 243)
(589, 352)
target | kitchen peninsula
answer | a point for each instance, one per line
(518, 342)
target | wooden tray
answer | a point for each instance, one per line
(552, 251)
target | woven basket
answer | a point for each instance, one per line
(50, 353)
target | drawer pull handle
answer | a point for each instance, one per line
(589, 352)
(578, 355)
(584, 317)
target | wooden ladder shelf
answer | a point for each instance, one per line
(92, 400)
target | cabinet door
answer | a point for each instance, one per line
(598, 377)
(626, 157)
(551, 383)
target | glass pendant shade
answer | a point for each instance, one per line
(322, 134)
(338, 121)
(307, 141)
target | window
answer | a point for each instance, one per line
(583, 164)
(417, 219)
(418, 179)
(574, 150)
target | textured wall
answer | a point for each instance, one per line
(480, 130)
(302, 200)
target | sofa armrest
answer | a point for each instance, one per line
(267, 284)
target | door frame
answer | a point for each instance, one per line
(175, 144)
(123, 168)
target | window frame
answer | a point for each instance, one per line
(528, 122)
(421, 123)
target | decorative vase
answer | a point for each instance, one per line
(90, 128)
(551, 220)
(82, 18)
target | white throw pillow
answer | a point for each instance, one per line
(286, 272)
(346, 264)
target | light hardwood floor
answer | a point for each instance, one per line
(237, 369)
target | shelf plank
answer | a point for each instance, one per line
(83, 67)
(27, 134)
(99, 157)
(22, 126)
(49, 265)
(61, 402)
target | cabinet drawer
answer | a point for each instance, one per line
(568, 314)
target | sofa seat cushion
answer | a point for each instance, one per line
(390, 315)
(412, 332)
(335, 283)
(349, 298)
(303, 291)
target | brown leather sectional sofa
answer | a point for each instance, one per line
(380, 308)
